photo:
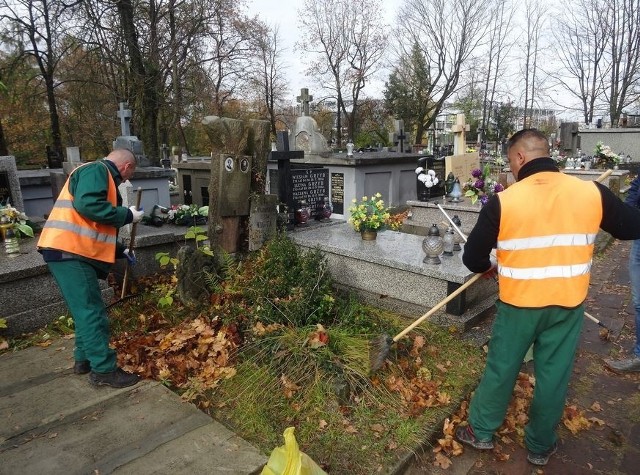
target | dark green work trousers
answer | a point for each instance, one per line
(78, 282)
(554, 333)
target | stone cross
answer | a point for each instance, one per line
(285, 180)
(125, 117)
(459, 139)
(304, 98)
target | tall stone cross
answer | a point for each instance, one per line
(125, 117)
(459, 140)
(304, 98)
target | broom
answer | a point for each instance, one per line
(380, 346)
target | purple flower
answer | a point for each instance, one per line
(498, 188)
(484, 199)
(479, 184)
(476, 173)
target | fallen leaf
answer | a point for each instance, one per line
(442, 461)
(595, 407)
(322, 424)
(53, 436)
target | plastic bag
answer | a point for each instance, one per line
(288, 460)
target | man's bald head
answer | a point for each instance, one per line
(125, 162)
(524, 146)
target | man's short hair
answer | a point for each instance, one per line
(526, 134)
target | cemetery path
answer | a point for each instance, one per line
(610, 401)
(55, 422)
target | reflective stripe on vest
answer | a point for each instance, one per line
(545, 244)
(67, 230)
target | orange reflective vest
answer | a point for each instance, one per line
(548, 226)
(67, 230)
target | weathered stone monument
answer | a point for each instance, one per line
(9, 183)
(569, 139)
(238, 168)
(305, 135)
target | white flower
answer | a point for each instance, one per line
(422, 177)
(431, 172)
(419, 170)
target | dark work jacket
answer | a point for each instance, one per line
(620, 220)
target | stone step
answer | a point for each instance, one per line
(55, 422)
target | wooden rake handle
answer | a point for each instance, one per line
(131, 244)
(438, 306)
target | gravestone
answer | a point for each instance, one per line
(459, 130)
(284, 179)
(72, 161)
(569, 138)
(310, 185)
(235, 146)
(304, 99)
(10, 183)
(462, 165)
(305, 135)
(128, 141)
(262, 220)
(398, 136)
(54, 158)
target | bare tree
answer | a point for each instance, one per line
(583, 41)
(500, 43)
(40, 28)
(534, 20)
(622, 20)
(347, 38)
(269, 74)
(447, 34)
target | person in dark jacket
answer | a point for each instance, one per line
(632, 364)
(79, 244)
(544, 248)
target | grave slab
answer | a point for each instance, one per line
(389, 273)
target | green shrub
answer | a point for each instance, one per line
(291, 286)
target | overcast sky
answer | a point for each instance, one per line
(285, 14)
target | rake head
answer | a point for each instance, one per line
(378, 351)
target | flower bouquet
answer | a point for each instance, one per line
(481, 186)
(605, 158)
(11, 217)
(370, 214)
(188, 215)
(428, 178)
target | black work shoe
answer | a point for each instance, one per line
(542, 459)
(465, 435)
(81, 367)
(629, 365)
(116, 379)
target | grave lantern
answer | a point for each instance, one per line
(433, 246)
(448, 242)
(458, 223)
